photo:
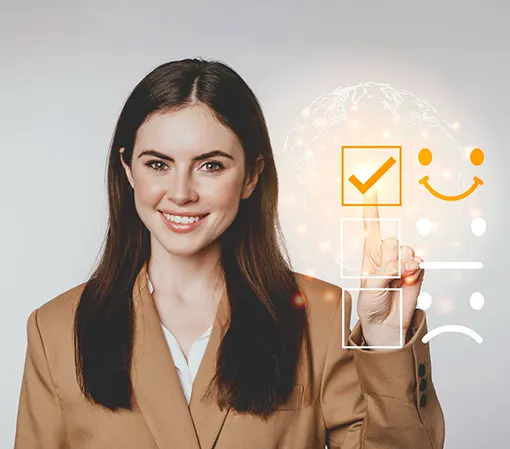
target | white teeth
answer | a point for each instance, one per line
(182, 220)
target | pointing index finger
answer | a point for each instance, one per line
(371, 216)
(372, 242)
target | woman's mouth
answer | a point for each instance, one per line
(182, 224)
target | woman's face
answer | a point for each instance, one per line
(170, 173)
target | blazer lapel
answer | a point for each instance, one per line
(207, 416)
(157, 387)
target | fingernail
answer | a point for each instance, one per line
(412, 266)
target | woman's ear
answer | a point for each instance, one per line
(251, 181)
(127, 169)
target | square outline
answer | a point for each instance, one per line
(398, 220)
(400, 174)
(344, 346)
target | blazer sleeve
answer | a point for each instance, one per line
(39, 420)
(379, 399)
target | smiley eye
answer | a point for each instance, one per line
(476, 301)
(425, 156)
(476, 156)
(424, 301)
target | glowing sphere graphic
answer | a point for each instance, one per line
(372, 114)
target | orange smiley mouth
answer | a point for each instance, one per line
(476, 182)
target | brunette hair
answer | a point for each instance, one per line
(259, 353)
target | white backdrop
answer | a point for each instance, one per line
(66, 69)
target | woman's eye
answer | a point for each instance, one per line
(151, 164)
(160, 166)
(219, 166)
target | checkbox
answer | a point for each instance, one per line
(351, 245)
(354, 318)
(365, 168)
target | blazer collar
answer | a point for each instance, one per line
(156, 385)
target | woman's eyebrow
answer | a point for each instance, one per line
(201, 157)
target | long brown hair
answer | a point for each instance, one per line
(259, 353)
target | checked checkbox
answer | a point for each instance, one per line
(372, 167)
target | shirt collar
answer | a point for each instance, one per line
(151, 288)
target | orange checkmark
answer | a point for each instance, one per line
(363, 187)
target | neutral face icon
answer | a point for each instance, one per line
(425, 158)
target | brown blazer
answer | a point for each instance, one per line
(361, 399)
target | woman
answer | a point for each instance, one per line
(193, 332)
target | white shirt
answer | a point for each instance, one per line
(187, 373)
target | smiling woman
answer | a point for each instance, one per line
(181, 184)
(194, 331)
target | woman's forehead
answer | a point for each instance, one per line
(188, 129)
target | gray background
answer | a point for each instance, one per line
(67, 68)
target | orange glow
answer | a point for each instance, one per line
(409, 280)
(329, 296)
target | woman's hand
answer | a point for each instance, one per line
(379, 309)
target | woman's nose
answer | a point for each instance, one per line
(181, 188)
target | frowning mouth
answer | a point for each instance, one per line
(452, 328)
(476, 182)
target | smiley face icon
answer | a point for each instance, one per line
(425, 158)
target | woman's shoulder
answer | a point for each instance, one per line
(57, 314)
(319, 293)
(322, 298)
(50, 332)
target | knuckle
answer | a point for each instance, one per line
(391, 243)
(391, 267)
(407, 250)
